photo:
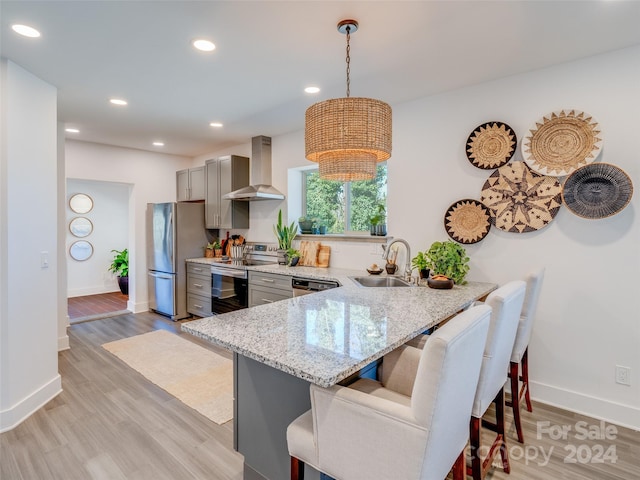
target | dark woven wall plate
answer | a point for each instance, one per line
(491, 145)
(467, 221)
(597, 190)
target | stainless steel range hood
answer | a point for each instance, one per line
(260, 188)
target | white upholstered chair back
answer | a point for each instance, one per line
(506, 304)
(534, 285)
(362, 436)
(444, 388)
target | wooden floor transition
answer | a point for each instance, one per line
(112, 423)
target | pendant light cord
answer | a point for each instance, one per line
(348, 61)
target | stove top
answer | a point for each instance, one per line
(254, 254)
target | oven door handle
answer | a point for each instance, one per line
(228, 272)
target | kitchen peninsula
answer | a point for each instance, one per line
(324, 338)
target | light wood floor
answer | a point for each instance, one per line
(111, 423)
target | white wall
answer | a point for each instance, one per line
(110, 218)
(28, 226)
(587, 322)
(152, 179)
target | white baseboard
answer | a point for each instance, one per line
(22, 410)
(95, 290)
(599, 408)
(63, 343)
(137, 307)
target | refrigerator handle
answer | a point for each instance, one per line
(161, 276)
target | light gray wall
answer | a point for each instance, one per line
(28, 227)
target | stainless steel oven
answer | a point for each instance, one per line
(229, 277)
(229, 289)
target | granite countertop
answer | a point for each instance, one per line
(327, 336)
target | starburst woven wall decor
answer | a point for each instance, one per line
(491, 145)
(561, 142)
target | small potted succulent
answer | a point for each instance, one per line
(378, 221)
(293, 257)
(421, 263)
(306, 224)
(208, 250)
(217, 249)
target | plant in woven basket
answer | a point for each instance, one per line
(448, 258)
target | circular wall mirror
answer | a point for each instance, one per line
(81, 250)
(80, 227)
(81, 203)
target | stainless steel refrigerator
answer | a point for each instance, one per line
(175, 232)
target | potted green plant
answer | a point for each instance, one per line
(450, 259)
(285, 235)
(378, 221)
(306, 224)
(120, 267)
(421, 263)
(293, 257)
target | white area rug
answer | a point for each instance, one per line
(201, 379)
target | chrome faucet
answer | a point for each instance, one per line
(387, 250)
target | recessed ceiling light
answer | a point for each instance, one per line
(72, 130)
(215, 124)
(204, 45)
(26, 31)
(312, 89)
(118, 101)
(158, 144)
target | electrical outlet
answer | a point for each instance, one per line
(623, 375)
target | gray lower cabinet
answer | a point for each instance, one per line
(268, 288)
(224, 175)
(199, 289)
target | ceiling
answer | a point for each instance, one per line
(268, 51)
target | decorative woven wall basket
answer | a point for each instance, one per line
(521, 200)
(562, 142)
(467, 221)
(598, 190)
(491, 145)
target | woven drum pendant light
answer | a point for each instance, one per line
(348, 136)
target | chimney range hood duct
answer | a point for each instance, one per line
(260, 188)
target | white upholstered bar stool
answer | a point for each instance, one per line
(506, 304)
(411, 425)
(520, 353)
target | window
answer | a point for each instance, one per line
(344, 207)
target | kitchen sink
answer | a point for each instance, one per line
(380, 282)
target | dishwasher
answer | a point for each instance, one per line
(304, 286)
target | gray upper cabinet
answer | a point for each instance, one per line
(190, 184)
(224, 175)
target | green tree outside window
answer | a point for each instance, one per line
(344, 207)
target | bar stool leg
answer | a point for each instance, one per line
(515, 399)
(525, 378)
(297, 469)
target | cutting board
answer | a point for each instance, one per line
(324, 253)
(309, 253)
